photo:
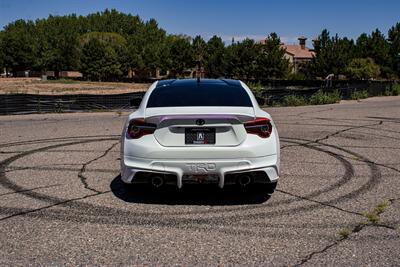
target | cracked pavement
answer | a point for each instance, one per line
(62, 202)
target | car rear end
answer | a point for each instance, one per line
(213, 132)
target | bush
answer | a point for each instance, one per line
(293, 100)
(359, 95)
(321, 98)
(362, 68)
(297, 76)
(256, 88)
(395, 89)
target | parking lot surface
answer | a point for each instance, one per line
(337, 201)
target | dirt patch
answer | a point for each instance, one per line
(62, 87)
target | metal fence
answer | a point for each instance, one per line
(273, 91)
(30, 103)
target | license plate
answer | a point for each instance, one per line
(199, 136)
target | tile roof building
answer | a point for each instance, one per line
(297, 54)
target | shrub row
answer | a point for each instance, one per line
(319, 98)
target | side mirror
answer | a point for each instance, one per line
(135, 102)
(260, 101)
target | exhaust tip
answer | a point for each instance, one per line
(157, 181)
(244, 180)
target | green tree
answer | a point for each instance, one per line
(58, 47)
(114, 41)
(363, 69)
(181, 55)
(242, 59)
(18, 46)
(215, 65)
(151, 43)
(394, 42)
(199, 50)
(333, 54)
(375, 46)
(99, 61)
(1, 53)
(271, 63)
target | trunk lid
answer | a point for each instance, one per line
(173, 124)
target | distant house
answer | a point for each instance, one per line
(297, 54)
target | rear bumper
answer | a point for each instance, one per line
(222, 168)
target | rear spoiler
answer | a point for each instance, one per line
(214, 117)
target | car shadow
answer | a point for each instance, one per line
(210, 195)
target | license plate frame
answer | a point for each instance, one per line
(200, 136)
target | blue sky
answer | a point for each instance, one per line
(234, 18)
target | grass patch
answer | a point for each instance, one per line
(374, 215)
(356, 95)
(322, 98)
(373, 218)
(293, 100)
(345, 232)
(381, 207)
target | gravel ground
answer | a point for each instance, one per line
(337, 201)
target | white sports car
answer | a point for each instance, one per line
(200, 131)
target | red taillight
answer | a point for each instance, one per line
(138, 128)
(260, 126)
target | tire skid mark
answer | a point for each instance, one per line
(318, 202)
(30, 189)
(358, 157)
(348, 174)
(334, 134)
(4, 181)
(25, 212)
(57, 139)
(80, 210)
(90, 206)
(53, 200)
(39, 168)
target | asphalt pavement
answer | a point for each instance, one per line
(337, 201)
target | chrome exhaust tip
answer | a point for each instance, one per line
(157, 181)
(244, 180)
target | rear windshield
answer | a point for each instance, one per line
(206, 95)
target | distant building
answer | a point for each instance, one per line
(70, 74)
(297, 54)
